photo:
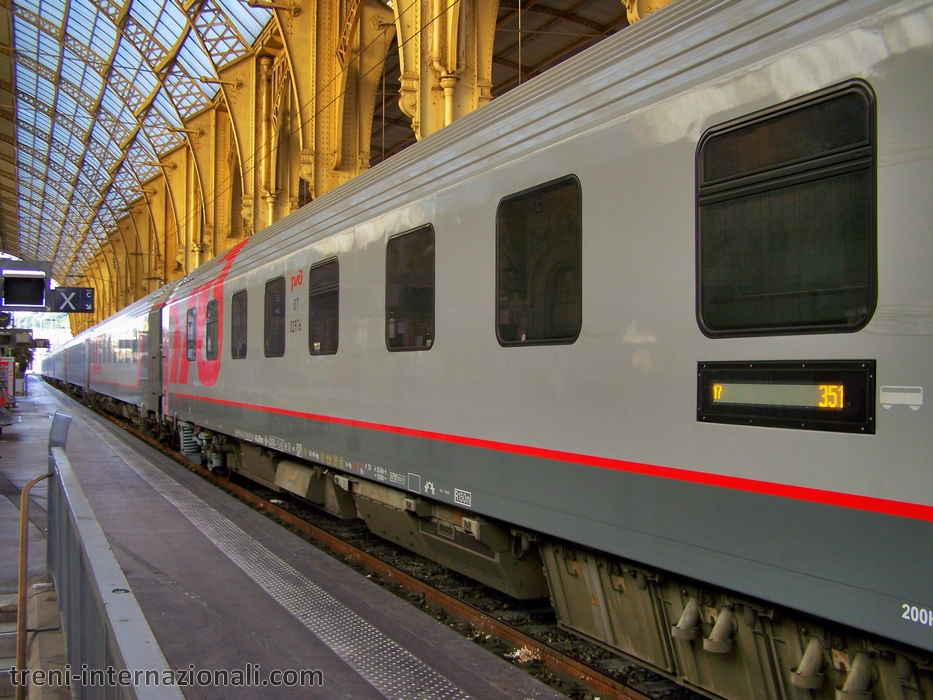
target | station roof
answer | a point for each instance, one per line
(94, 91)
(91, 90)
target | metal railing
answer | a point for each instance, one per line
(103, 624)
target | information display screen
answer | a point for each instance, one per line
(820, 395)
(24, 291)
(827, 396)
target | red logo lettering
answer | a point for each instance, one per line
(208, 370)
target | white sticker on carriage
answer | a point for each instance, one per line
(902, 396)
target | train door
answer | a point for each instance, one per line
(153, 359)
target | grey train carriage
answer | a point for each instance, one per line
(649, 335)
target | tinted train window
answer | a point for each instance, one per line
(210, 330)
(539, 239)
(191, 335)
(786, 218)
(274, 330)
(238, 326)
(324, 308)
(410, 290)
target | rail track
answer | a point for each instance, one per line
(523, 632)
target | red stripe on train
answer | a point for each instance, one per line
(885, 506)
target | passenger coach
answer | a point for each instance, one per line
(649, 336)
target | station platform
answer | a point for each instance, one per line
(225, 588)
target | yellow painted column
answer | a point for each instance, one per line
(445, 54)
(335, 53)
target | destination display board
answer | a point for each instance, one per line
(819, 395)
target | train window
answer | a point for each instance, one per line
(539, 241)
(210, 330)
(120, 349)
(238, 325)
(324, 314)
(410, 290)
(191, 342)
(786, 231)
(274, 327)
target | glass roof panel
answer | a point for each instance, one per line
(112, 102)
(52, 10)
(125, 179)
(66, 106)
(164, 111)
(58, 154)
(139, 31)
(76, 142)
(48, 57)
(41, 123)
(26, 160)
(195, 61)
(84, 76)
(26, 80)
(72, 70)
(107, 159)
(79, 124)
(104, 36)
(148, 13)
(156, 130)
(31, 5)
(64, 131)
(171, 24)
(131, 70)
(118, 129)
(56, 196)
(45, 90)
(249, 20)
(85, 87)
(80, 21)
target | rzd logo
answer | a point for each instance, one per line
(208, 370)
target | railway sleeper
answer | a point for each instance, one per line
(721, 644)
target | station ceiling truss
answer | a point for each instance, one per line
(95, 93)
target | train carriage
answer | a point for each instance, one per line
(656, 323)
